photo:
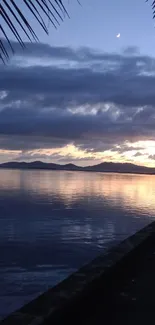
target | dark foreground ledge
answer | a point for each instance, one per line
(76, 296)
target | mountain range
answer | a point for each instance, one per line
(103, 167)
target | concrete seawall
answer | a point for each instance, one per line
(78, 294)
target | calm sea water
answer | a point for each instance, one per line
(53, 222)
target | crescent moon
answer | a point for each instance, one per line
(118, 35)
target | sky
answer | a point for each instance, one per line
(82, 95)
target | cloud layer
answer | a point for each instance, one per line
(94, 102)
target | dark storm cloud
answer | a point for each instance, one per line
(119, 79)
(83, 54)
(32, 129)
(38, 104)
(30, 142)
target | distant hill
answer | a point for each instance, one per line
(107, 167)
(38, 165)
(121, 168)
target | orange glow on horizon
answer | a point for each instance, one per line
(140, 155)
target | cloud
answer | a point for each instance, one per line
(138, 154)
(48, 86)
(152, 157)
(131, 50)
(54, 96)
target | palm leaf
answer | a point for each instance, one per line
(153, 7)
(14, 22)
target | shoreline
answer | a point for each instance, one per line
(93, 286)
(81, 170)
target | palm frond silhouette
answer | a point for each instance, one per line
(15, 20)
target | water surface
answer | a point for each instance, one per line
(53, 222)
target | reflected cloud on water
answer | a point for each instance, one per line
(53, 222)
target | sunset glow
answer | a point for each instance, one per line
(83, 99)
